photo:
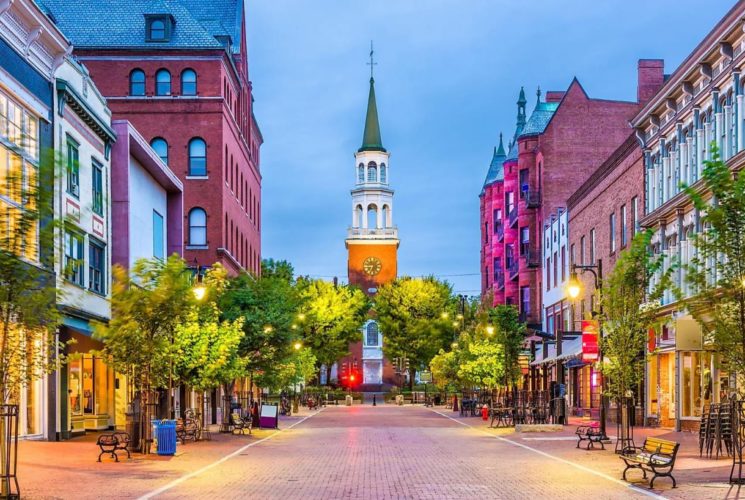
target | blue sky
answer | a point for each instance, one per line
(447, 79)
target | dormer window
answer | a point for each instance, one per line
(158, 27)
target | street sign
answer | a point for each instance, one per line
(425, 377)
(590, 348)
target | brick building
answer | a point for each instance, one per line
(556, 149)
(178, 71)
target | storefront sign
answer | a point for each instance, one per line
(688, 335)
(523, 360)
(425, 377)
(590, 348)
(651, 340)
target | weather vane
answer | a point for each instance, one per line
(372, 62)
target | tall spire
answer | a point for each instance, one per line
(500, 150)
(371, 140)
(521, 102)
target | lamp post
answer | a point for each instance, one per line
(575, 288)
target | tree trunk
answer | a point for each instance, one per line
(328, 374)
(412, 375)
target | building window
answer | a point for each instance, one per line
(592, 246)
(158, 28)
(612, 232)
(582, 251)
(634, 215)
(525, 301)
(73, 168)
(160, 146)
(197, 157)
(97, 186)
(361, 173)
(137, 82)
(96, 268)
(524, 240)
(497, 219)
(548, 273)
(510, 201)
(188, 82)
(158, 237)
(556, 269)
(74, 259)
(163, 82)
(197, 227)
(372, 172)
(372, 334)
(571, 255)
(383, 173)
(623, 226)
(563, 264)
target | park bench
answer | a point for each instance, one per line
(331, 400)
(591, 434)
(239, 424)
(111, 442)
(187, 429)
(655, 455)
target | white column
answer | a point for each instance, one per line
(690, 161)
(365, 208)
(354, 215)
(379, 217)
(740, 117)
(719, 118)
(727, 142)
(665, 178)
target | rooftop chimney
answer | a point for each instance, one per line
(651, 76)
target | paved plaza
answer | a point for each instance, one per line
(359, 452)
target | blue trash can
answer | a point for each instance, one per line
(165, 433)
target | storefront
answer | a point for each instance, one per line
(88, 383)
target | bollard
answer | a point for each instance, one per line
(485, 412)
(374, 400)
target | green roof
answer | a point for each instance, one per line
(371, 140)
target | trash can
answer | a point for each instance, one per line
(164, 432)
(348, 400)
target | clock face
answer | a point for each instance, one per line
(372, 266)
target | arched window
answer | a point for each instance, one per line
(197, 157)
(361, 173)
(137, 82)
(157, 30)
(188, 82)
(386, 216)
(197, 227)
(383, 173)
(358, 216)
(372, 217)
(160, 146)
(372, 334)
(372, 172)
(163, 82)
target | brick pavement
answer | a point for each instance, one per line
(362, 452)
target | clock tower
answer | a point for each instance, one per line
(372, 245)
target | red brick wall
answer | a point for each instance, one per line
(221, 115)
(616, 183)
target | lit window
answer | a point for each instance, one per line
(163, 82)
(137, 82)
(160, 146)
(372, 333)
(189, 82)
(197, 157)
(198, 227)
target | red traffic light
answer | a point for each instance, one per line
(352, 377)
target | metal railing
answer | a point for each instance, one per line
(499, 279)
(532, 198)
(513, 267)
(512, 216)
(499, 230)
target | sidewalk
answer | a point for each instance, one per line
(68, 469)
(700, 478)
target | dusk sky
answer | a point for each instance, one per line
(448, 76)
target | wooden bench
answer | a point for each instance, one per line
(655, 455)
(239, 424)
(187, 428)
(111, 442)
(591, 434)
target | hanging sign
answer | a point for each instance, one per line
(590, 348)
(651, 340)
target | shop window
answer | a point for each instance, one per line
(88, 386)
(74, 259)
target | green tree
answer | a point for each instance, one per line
(509, 334)
(206, 346)
(716, 273)
(148, 304)
(482, 364)
(331, 317)
(268, 306)
(416, 318)
(444, 366)
(627, 314)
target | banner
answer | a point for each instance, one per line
(590, 332)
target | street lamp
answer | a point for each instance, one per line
(297, 346)
(268, 329)
(574, 289)
(444, 315)
(490, 330)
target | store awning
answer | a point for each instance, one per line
(570, 349)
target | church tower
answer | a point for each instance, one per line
(372, 245)
(372, 239)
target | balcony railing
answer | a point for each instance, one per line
(532, 198)
(500, 231)
(499, 279)
(513, 268)
(512, 216)
(531, 255)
